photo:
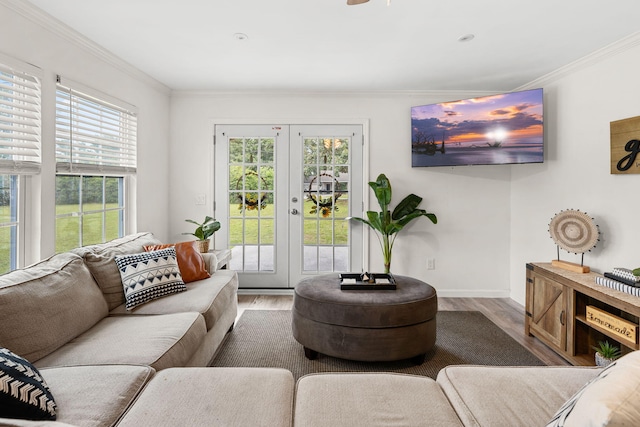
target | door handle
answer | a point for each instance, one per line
(294, 211)
(562, 317)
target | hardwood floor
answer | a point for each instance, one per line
(504, 312)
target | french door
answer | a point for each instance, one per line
(283, 193)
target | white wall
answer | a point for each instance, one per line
(471, 241)
(578, 109)
(28, 35)
(492, 219)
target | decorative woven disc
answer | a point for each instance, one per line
(574, 231)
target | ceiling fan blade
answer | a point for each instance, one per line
(352, 2)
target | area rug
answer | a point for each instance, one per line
(263, 338)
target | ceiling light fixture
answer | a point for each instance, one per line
(466, 38)
(240, 36)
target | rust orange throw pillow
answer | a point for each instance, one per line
(190, 262)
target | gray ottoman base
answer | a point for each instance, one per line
(365, 344)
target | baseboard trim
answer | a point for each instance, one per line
(265, 291)
(474, 293)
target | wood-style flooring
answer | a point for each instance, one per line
(504, 312)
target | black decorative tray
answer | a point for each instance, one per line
(367, 282)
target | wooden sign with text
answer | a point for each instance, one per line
(625, 146)
(622, 329)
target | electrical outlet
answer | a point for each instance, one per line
(200, 199)
(431, 264)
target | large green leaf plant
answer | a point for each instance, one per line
(387, 223)
(205, 228)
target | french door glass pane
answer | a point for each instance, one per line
(326, 186)
(251, 203)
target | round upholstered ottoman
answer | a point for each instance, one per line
(365, 325)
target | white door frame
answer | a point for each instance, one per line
(218, 243)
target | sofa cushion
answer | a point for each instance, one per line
(162, 341)
(95, 395)
(210, 297)
(23, 391)
(510, 396)
(610, 399)
(190, 261)
(47, 304)
(149, 275)
(215, 397)
(100, 260)
(363, 399)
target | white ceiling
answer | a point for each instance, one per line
(318, 45)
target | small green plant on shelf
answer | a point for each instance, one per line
(636, 272)
(606, 353)
(205, 229)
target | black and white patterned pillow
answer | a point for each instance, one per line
(149, 275)
(23, 392)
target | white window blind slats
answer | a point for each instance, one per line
(20, 124)
(25, 132)
(27, 123)
(102, 133)
(23, 78)
(27, 110)
(93, 136)
(13, 86)
(26, 146)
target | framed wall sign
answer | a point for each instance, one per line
(625, 146)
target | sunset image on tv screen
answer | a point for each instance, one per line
(496, 129)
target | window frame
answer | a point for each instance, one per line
(26, 162)
(68, 165)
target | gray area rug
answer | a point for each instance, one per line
(263, 338)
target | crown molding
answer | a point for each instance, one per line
(43, 19)
(595, 57)
(445, 94)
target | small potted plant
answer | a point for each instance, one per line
(606, 353)
(204, 231)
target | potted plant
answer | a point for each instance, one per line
(387, 224)
(204, 231)
(606, 353)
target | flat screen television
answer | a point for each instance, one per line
(489, 130)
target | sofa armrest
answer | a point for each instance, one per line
(210, 262)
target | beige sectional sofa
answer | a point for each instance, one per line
(69, 310)
(107, 366)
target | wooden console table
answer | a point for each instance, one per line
(556, 313)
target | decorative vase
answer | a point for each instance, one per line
(603, 361)
(203, 246)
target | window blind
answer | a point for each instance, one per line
(93, 135)
(20, 122)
